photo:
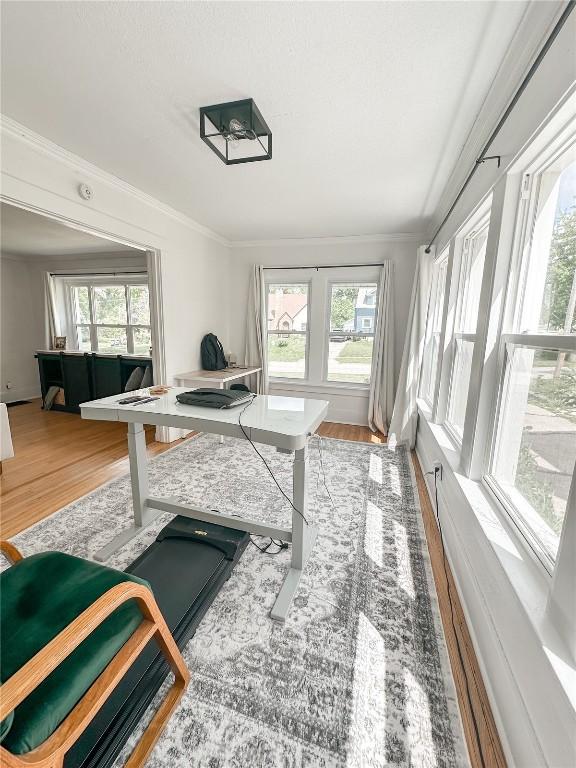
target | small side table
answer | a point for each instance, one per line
(215, 379)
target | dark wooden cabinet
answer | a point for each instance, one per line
(76, 378)
(85, 376)
(106, 376)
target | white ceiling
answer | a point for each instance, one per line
(369, 103)
(23, 233)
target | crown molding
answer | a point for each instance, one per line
(43, 258)
(537, 23)
(296, 242)
(17, 130)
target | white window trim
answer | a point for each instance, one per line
(443, 257)
(318, 311)
(500, 283)
(327, 333)
(480, 220)
(521, 190)
(90, 281)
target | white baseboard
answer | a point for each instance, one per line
(25, 393)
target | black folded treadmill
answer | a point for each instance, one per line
(186, 566)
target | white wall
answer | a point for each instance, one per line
(349, 406)
(194, 261)
(21, 329)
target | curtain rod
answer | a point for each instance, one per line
(521, 88)
(330, 266)
(97, 274)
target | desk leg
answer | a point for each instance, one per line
(222, 386)
(143, 516)
(303, 537)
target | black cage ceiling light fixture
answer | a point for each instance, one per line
(236, 132)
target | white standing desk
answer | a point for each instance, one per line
(283, 422)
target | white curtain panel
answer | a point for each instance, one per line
(256, 352)
(405, 414)
(52, 321)
(381, 400)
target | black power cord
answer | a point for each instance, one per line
(321, 456)
(437, 471)
(271, 542)
(288, 499)
(280, 545)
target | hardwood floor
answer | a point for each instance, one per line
(484, 747)
(59, 457)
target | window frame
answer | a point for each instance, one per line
(553, 607)
(444, 257)
(524, 187)
(327, 333)
(91, 282)
(510, 342)
(318, 312)
(478, 222)
(306, 333)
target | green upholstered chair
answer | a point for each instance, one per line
(70, 629)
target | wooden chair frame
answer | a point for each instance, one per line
(50, 754)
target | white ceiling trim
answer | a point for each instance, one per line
(31, 258)
(295, 242)
(13, 128)
(21, 132)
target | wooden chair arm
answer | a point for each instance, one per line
(50, 754)
(10, 552)
(37, 669)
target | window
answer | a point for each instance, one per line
(321, 326)
(110, 316)
(433, 329)
(471, 269)
(534, 451)
(287, 313)
(351, 332)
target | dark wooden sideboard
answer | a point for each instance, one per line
(85, 376)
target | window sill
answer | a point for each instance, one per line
(450, 448)
(342, 388)
(518, 571)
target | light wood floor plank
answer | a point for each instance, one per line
(59, 457)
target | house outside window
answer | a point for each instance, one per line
(287, 313)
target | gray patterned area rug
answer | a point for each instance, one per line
(358, 676)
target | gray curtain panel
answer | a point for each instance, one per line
(256, 352)
(381, 400)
